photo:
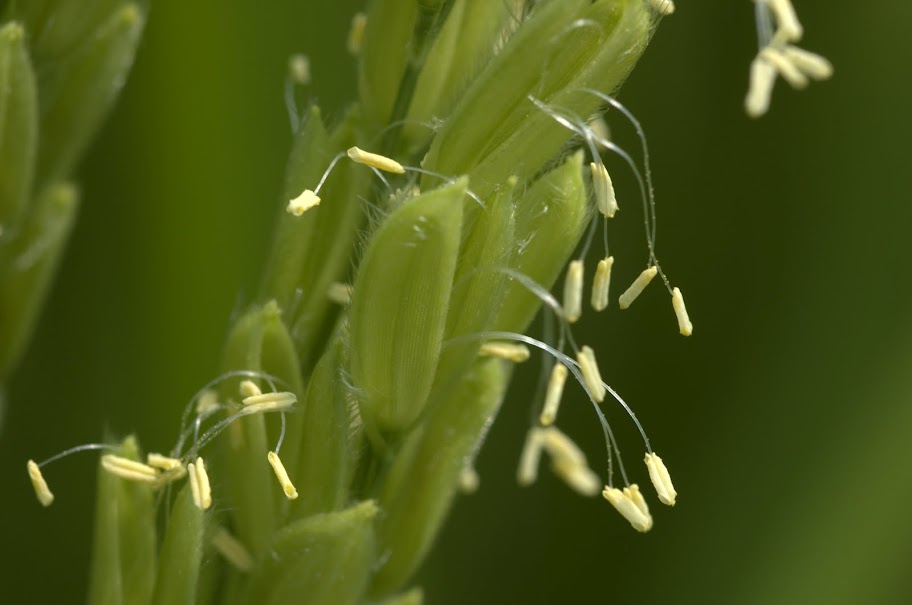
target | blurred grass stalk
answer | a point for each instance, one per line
(62, 64)
(394, 399)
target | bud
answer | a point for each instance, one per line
(328, 558)
(79, 92)
(18, 127)
(399, 306)
(425, 475)
(32, 260)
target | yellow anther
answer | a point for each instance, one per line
(269, 401)
(788, 70)
(248, 389)
(304, 202)
(356, 34)
(529, 459)
(516, 353)
(605, 198)
(282, 475)
(380, 162)
(129, 469)
(553, 394)
(591, 375)
(468, 480)
(164, 463)
(42, 492)
(573, 291)
(661, 480)
(812, 64)
(601, 283)
(340, 293)
(632, 491)
(232, 550)
(199, 484)
(624, 502)
(677, 302)
(299, 69)
(577, 475)
(561, 448)
(663, 7)
(637, 287)
(762, 79)
(207, 401)
(789, 27)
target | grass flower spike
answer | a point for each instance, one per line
(400, 291)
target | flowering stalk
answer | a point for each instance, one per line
(417, 240)
(62, 65)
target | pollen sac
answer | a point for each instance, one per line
(604, 190)
(42, 492)
(199, 484)
(553, 394)
(636, 288)
(661, 480)
(812, 64)
(762, 80)
(398, 317)
(129, 469)
(374, 160)
(591, 375)
(631, 505)
(573, 292)
(356, 34)
(282, 475)
(304, 202)
(527, 472)
(601, 284)
(299, 69)
(516, 353)
(677, 301)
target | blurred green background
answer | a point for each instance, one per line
(786, 420)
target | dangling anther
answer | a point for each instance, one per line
(637, 287)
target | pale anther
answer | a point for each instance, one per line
(249, 388)
(531, 454)
(591, 375)
(573, 291)
(661, 480)
(788, 70)
(553, 394)
(625, 504)
(299, 69)
(601, 283)
(788, 25)
(605, 197)
(42, 491)
(356, 34)
(282, 399)
(516, 353)
(282, 475)
(202, 482)
(232, 550)
(677, 302)
(304, 202)
(812, 64)
(207, 402)
(374, 160)
(637, 287)
(129, 469)
(164, 463)
(339, 293)
(468, 480)
(194, 485)
(577, 476)
(561, 448)
(759, 94)
(664, 7)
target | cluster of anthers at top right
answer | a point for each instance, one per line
(778, 32)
